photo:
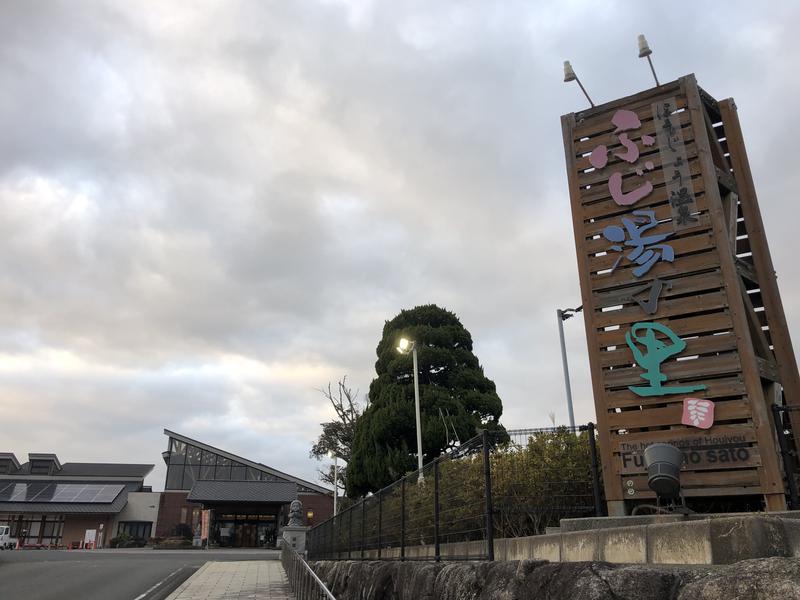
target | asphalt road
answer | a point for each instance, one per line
(136, 574)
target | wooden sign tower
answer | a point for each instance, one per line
(688, 342)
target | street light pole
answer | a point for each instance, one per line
(563, 315)
(416, 406)
(404, 347)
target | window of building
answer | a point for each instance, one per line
(40, 468)
(223, 469)
(139, 530)
(237, 472)
(175, 477)
(177, 454)
(193, 455)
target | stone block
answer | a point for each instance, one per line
(623, 545)
(742, 538)
(587, 523)
(579, 546)
(545, 547)
(680, 543)
(792, 528)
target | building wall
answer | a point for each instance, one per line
(172, 510)
(141, 506)
(75, 527)
(321, 504)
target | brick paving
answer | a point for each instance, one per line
(236, 580)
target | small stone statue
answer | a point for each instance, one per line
(296, 514)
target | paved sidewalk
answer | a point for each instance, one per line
(239, 580)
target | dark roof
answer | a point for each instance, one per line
(71, 469)
(72, 507)
(261, 466)
(243, 491)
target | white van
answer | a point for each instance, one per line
(6, 541)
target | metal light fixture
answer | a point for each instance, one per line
(645, 51)
(405, 346)
(569, 75)
(663, 463)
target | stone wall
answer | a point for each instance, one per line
(758, 579)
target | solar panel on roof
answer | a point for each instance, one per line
(90, 493)
(18, 495)
(42, 493)
(108, 493)
(5, 490)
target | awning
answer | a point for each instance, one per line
(243, 491)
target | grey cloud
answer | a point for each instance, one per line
(180, 185)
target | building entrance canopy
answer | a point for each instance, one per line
(216, 492)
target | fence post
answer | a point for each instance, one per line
(786, 455)
(598, 502)
(350, 532)
(380, 525)
(403, 518)
(436, 546)
(363, 521)
(487, 478)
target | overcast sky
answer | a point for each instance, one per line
(209, 209)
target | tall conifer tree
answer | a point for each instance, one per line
(456, 398)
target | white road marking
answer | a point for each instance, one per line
(144, 595)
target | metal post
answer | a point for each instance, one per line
(416, 405)
(565, 365)
(403, 518)
(380, 524)
(436, 546)
(487, 478)
(335, 481)
(598, 502)
(786, 455)
(350, 532)
(363, 521)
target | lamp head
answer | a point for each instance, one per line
(331, 454)
(404, 346)
(569, 74)
(644, 49)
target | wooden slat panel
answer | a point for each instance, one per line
(701, 345)
(600, 191)
(597, 121)
(703, 240)
(666, 308)
(611, 141)
(687, 264)
(676, 371)
(716, 388)
(661, 211)
(682, 326)
(722, 434)
(699, 492)
(671, 415)
(701, 459)
(592, 176)
(745, 477)
(683, 285)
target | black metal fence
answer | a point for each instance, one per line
(504, 484)
(787, 445)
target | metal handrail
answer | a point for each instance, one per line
(304, 582)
